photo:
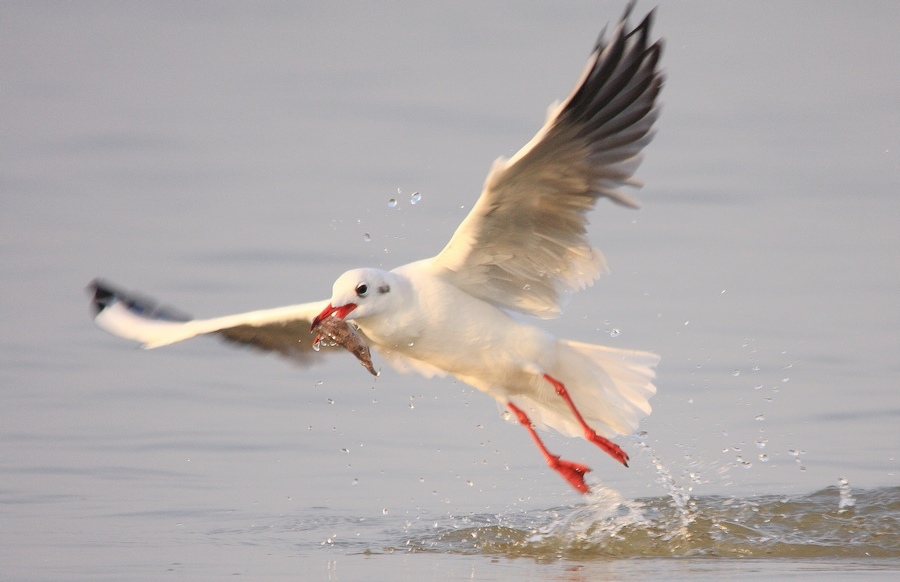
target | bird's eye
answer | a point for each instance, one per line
(362, 289)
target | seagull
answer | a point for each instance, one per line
(469, 311)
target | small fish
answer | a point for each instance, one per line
(343, 334)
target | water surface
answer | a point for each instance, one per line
(231, 157)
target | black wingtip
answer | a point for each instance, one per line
(102, 295)
(628, 8)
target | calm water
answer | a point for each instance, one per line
(231, 157)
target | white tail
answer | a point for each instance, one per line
(611, 388)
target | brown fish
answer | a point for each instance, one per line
(343, 334)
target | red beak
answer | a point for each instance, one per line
(339, 312)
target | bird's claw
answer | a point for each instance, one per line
(611, 448)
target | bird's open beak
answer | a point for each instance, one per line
(339, 312)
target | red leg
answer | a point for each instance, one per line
(571, 472)
(590, 434)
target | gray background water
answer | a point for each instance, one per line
(228, 157)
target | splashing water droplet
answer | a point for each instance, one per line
(329, 401)
(384, 511)
(761, 443)
(761, 417)
(469, 483)
(355, 482)
(736, 373)
(411, 405)
(526, 287)
(846, 498)
(367, 237)
(317, 345)
(414, 199)
(764, 458)
(345, 451)
(392, 203)
(615, 333)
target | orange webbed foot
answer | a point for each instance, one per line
(571, 472)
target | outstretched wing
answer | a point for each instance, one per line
(524, 244)
(284, 329)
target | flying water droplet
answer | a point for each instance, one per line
(317, 345)
(761, 443)
(345, 451)
(392, 203)
(736, 373)
(367, 237)
(764, 458)
(761, 417)
(614, 333)
(414, 199)
(355, 482)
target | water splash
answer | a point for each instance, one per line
(679, 495)
(606, 525)
(845, 497)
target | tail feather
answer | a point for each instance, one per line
(609, 386)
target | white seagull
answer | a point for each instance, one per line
(521, 250)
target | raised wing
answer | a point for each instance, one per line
(284, 329)
(524, 244)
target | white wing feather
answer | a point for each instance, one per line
(283, 329)
(524, 245)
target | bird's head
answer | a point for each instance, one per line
(358, 294)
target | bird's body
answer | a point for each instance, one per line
(518, 253)
(430, 326)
